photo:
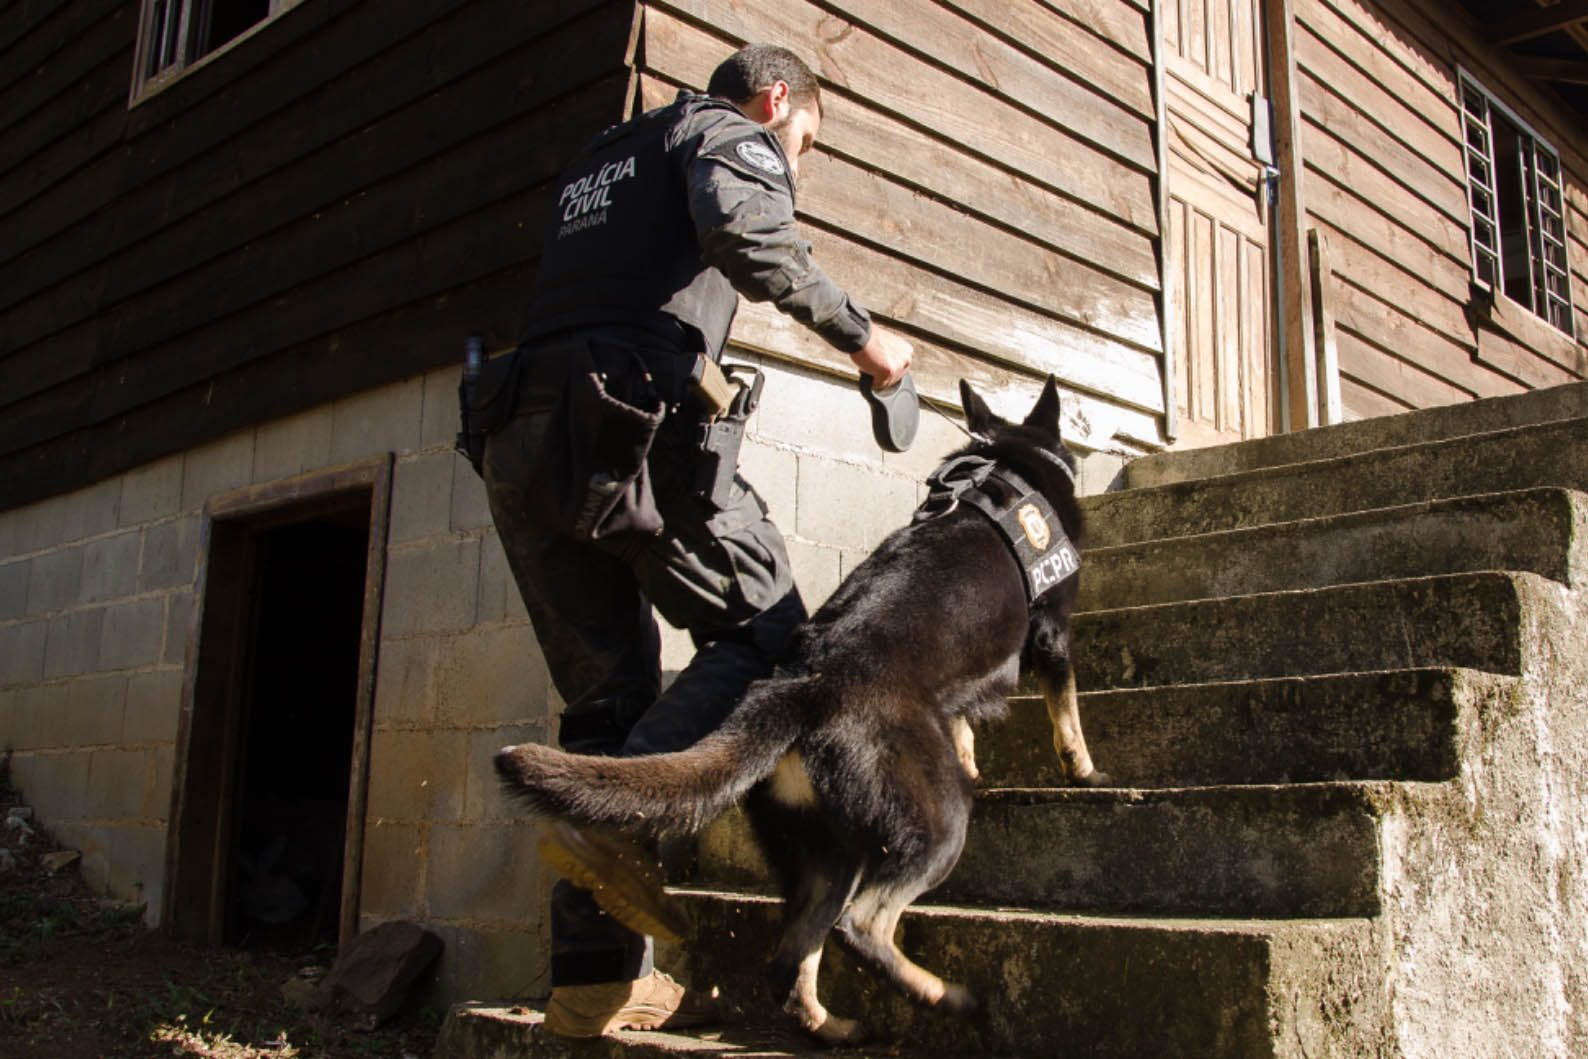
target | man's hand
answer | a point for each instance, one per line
(885, 357)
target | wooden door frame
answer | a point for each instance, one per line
(244, 511)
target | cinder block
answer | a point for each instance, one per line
(133, 634)
(421, 496)
(816, 414)
(8, 719)
(93, 841)
(817, 571)
(157, 792)
(93, 713)
(110, 567)
(74, 643)
(137, 866)
(774, 473)
(22, 652)
(431, 587)
(116, 780)
(499, 598)
(178, 627)
(53, 784)
(492, 675)
(90, 511)
(37, 526)
(438, 425)
(14, 588)
(405, 690)
(170, 554)
(483, 798)
(217, 467)
(154, 703)
(376, 421)
(151, 491)
(393, 876)
(34, 710)
(508, 959)
(414, 775)
(487, 871)
(54, 580)
(848, 506)
(470, 509)
(289, 446)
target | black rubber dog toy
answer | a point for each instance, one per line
(895, 412)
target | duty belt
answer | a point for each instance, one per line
(1028, 525)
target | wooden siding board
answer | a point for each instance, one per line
(1378, 321)
(1067, 46)
(1362, 402)
(448, 130)
(99, 119)
(31, 32)
(1127, 26)
(866, 66)
(1439, 305)
(1381, 371)
(685, 54)
(272, 295)
(53, 73)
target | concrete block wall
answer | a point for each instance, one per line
(97, 596)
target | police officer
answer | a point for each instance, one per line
(661, 223)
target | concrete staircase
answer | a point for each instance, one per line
(1342, 677)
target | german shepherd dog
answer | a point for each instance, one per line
(854, 757)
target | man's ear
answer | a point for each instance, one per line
(1045, 416)
(978, 417)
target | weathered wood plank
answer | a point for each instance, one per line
(97, 110)
(1375, 319)
(1069, 46)
(80, 41)
(1126, 24)
(31, 30)
(438, 131)
(866, 66)
(1087, 422)
(685, 55)
(852, 199)
(1439, 305)
(963, 316)
(1423, 123)
(1371, 365)
(1361, 402)
(1521, 361)
(1013, 75)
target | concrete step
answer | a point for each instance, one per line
(1549, 454)
(1470, 620)
(1398, 725)
(1077, 985)
(1429, 424)
(1542, 531)
(1296, 850)
(499, 1031)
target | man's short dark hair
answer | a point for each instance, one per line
(756, 66)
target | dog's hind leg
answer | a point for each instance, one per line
(965, 746)
(808, 919)
(1065, 713)
(867, 928)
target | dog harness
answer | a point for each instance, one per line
(1028, 525)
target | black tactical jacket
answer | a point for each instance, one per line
(661, 219)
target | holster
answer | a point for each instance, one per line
(722, 437)
(486, 404)
(590, 470)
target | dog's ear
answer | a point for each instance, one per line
(1045, 416)
(978, 417)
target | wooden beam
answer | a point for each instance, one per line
(1292, 289)
(1572, 71)
(1537, 22)
(1166, 321)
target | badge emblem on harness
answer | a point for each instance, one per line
(761, 156)
(1036, 527)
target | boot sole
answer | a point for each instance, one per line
(633, 906)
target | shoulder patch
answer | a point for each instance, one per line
(760, 156)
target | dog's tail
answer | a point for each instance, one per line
(679, 792)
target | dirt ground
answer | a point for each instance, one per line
(81, 977)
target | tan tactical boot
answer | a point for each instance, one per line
(644, 1004)
(620, 874)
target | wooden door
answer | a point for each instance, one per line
(1217, 237)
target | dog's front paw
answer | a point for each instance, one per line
(1094, 778)
(831, 1029)
(957, 1000)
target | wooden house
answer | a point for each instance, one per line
(241, 242)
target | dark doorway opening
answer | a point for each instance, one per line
(295, 745)
(267, 817)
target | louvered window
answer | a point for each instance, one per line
(1518, 219)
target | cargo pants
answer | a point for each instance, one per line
(721, 574)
